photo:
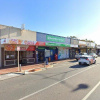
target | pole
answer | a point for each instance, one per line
(18, 61)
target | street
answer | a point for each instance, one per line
(65, 81)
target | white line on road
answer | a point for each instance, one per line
(85, 98)
(54, 84)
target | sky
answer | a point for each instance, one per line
(80, 18)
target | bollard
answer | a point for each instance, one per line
(20, 67)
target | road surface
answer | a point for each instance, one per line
(65, 81)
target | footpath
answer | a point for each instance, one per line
(13, 71)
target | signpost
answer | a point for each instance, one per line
(18, 49)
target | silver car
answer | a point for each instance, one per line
(87, 60)
(93, 55)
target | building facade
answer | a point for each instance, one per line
(36, 47)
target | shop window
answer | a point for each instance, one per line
(10, 55)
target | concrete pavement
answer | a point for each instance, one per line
(13, 71)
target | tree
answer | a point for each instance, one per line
(73, 37)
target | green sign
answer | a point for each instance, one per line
(52, 47)
(41, 47)
(54, 38)
(55, 44)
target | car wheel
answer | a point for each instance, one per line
(89, 63)
(94, 61)
(80, 63)
(77, 59)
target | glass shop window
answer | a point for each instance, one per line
(9, 55)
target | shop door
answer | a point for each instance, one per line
(41, 56)
(72, 53)
(52, 53)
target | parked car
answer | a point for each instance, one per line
(99, 54)
(93, 55)
(77, 56)
(87, 60)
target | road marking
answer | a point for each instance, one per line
(54, 84)
(85, 98)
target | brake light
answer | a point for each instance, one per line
(87, 59)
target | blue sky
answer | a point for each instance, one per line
(79, 18)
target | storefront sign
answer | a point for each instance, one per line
(55, 44)
(22, 48)
(20, 41)
(3, 41)
(93, 45)
(54, 38)
(28, 42)
(12, 41)
(10, 47)
(18, 48)
(31, 48)
(52, 47)
(74, 41)
(40, 43)
(98, 46)
(76, 46)
(41, 47)
(83, 43)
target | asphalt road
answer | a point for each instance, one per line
(65, 81)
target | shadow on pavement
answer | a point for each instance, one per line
(78, 66)
(80, 86)
(73, 61)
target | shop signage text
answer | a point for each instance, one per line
(55, 44)
(31, 48)
(40, 43)
(10, 47)
(54, 38)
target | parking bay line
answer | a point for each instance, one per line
(25, 97)
(86, 97)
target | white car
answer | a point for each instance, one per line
(87, 60)
(77, 56)
(93, 55)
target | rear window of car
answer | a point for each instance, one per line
(83, 54)
(83, 58)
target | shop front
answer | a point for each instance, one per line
(74, 48)
(82, 47)
(27, 54)
(41, 54)
(93, 47)
(56, 47)
(59, 51)
(98, 50)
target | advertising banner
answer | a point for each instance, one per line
(63, 53)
